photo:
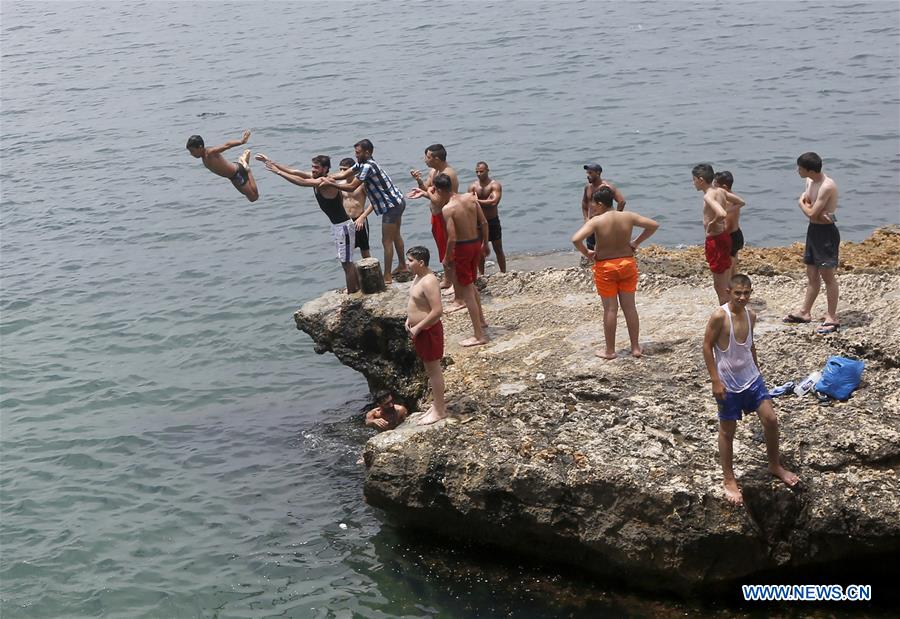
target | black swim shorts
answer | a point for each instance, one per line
(822, 244)
(495, 232)
(737, 242)
(362, 237)
(240, 178)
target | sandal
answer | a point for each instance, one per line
(797, 320)
(828, 327)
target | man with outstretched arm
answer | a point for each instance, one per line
(237, 172)
(343, 230)
(730, 355)
(384, 198)
(423, 323)
(615, 269)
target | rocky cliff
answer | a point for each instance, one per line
(612, 465)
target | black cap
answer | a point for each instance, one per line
(594, 167)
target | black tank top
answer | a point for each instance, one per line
(333, 207)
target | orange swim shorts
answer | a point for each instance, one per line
(615, 275)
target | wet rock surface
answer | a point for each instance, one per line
(613, 465)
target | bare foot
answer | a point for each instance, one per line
(454, 308)
(245, 159)
(605, 355)
(387, 280)
(637, 352)
(789, 479)
(473, 341)
(431, 416)
(733, 493)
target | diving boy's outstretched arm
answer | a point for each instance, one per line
(229, 144)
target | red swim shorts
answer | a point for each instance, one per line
(615, 275)
(439, 232)
(466, 258)
(429, 342)
(718, 252)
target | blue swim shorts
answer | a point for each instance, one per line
(746, 401)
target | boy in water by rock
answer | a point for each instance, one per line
(386, 415)
(423, 323)
(237, 172)
(737, 385)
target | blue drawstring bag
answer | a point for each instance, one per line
(840, 377)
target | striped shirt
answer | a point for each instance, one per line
(380, 189)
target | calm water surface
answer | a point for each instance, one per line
(171, 446)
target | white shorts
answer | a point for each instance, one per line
(344, 235)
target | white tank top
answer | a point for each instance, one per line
(735, 363)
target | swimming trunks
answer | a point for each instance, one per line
(362, 237)
(393, 214)
(240, 177)
(822, 245)
(615, 275)
(439, 232)
(737, 242)
(495, 232)
(429, 343)
(746, 401)
(344, 234)
(718, 252)
(466, 258)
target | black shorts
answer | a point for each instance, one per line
(495, 232)
(239, 178)
(737, 242)
(822, 244)
(591, 242)
(362, 237)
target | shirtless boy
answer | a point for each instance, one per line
(436, 159)
(329, 198)
(733, 205)
(819, 202)
(465, 246)
(615, 269)
(594, 182)
(237, 172)
(386, 415)
(737, 385)
(718, 240)
(355, 205)
(489, 191)
(423, 323)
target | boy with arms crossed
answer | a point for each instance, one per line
(725, 180)
(737, 385)
(718, 240)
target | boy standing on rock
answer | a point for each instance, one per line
(718, 239)
(733, 205)
(423, 323)
(615, 269)
(737, 384)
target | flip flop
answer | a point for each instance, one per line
(828, 327)
(783, 389)
(795, 320)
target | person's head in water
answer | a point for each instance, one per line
(703, 175)
(434, 154)
(603, 197)
(363, 150)
(347, 163)
(321, 164)
(196, 146)
(809, 163)
(385, 400)
(417, 259)
(724, 179)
